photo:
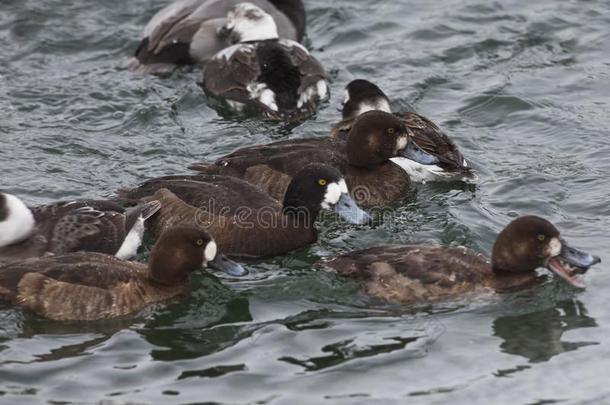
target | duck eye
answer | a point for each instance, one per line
(199, 242)
(322, 182)
(541, 238)
(390, 131)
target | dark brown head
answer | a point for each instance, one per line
(530, 242)
(375, 137)
(183, 249)
(362, 96)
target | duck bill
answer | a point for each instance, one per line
(347, 208)
(224, 264)
(417, 154)
(571, 261)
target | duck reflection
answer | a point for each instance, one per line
(537, 335)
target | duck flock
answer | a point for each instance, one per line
(69, 260)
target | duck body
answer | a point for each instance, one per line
(424, 273)
(363, 159)
(245, 221)
(190, 32)
(446, 161)
(85, 286)
(263, 72)
(71, 226)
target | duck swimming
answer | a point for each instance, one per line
(363, 159)
(245, 221)
(261, 72)
(418, 273)
(445, 162)
(87, 286)
(190, 32)
(70, 226)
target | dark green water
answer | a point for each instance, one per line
(522, 86)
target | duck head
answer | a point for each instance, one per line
(318, 187)
(183, 249)
(362, 96)
(16, 220)
(247, 22)
(376, 136)
(530, 242)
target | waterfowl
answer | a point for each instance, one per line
(261, 72)
(418, 273)
(363, 159)
(190, 32)
(254, 224)
(445, 161)
(86, 286)
(70, 226)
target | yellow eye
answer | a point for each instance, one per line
(390, 131)
(199, 242)
(541, 237)
(322, 182)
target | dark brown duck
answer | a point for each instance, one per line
(244, 220)
(70, 226)
(91, 286)
(445, 161)
(363, 159)
(420, 273)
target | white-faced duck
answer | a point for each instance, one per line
(91, 286)
(420, 273)
(189, 32)
(363, 159)
(245, 221)
(71, 226)
(444, 161)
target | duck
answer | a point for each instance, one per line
(70, 226)
(189, 32)
(363, 159)
(262, 72)
(244, 220)
(89, 286)
(428, 273)
(446, 162)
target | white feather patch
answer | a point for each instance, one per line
(419, 173)
(19, 223)
(210, 251)
(132, 241)
(318, 91)
(260, 92)
(261, 27)
(333, 193)
(379, 104)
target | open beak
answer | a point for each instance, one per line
(222, 263)
(347, 208)
(571, 262)
(417, 154)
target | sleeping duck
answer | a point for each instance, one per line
(190, 32)
(277, 77)
(446, 161)
(363, 159)
(70, 226)
(88, 286)
(418, 273)
(245, 221)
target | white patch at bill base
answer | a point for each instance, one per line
(333, 193)
(210, 251)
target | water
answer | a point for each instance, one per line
(522, 86)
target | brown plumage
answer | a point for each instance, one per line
(363, 160)
(420, 273)
(90, 286)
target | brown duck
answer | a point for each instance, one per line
(420, 273)
(444, 163)
(91, 286)
(363, 159)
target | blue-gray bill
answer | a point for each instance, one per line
(224, 264)
(417, 154)
(347, 208)
(571, 262)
